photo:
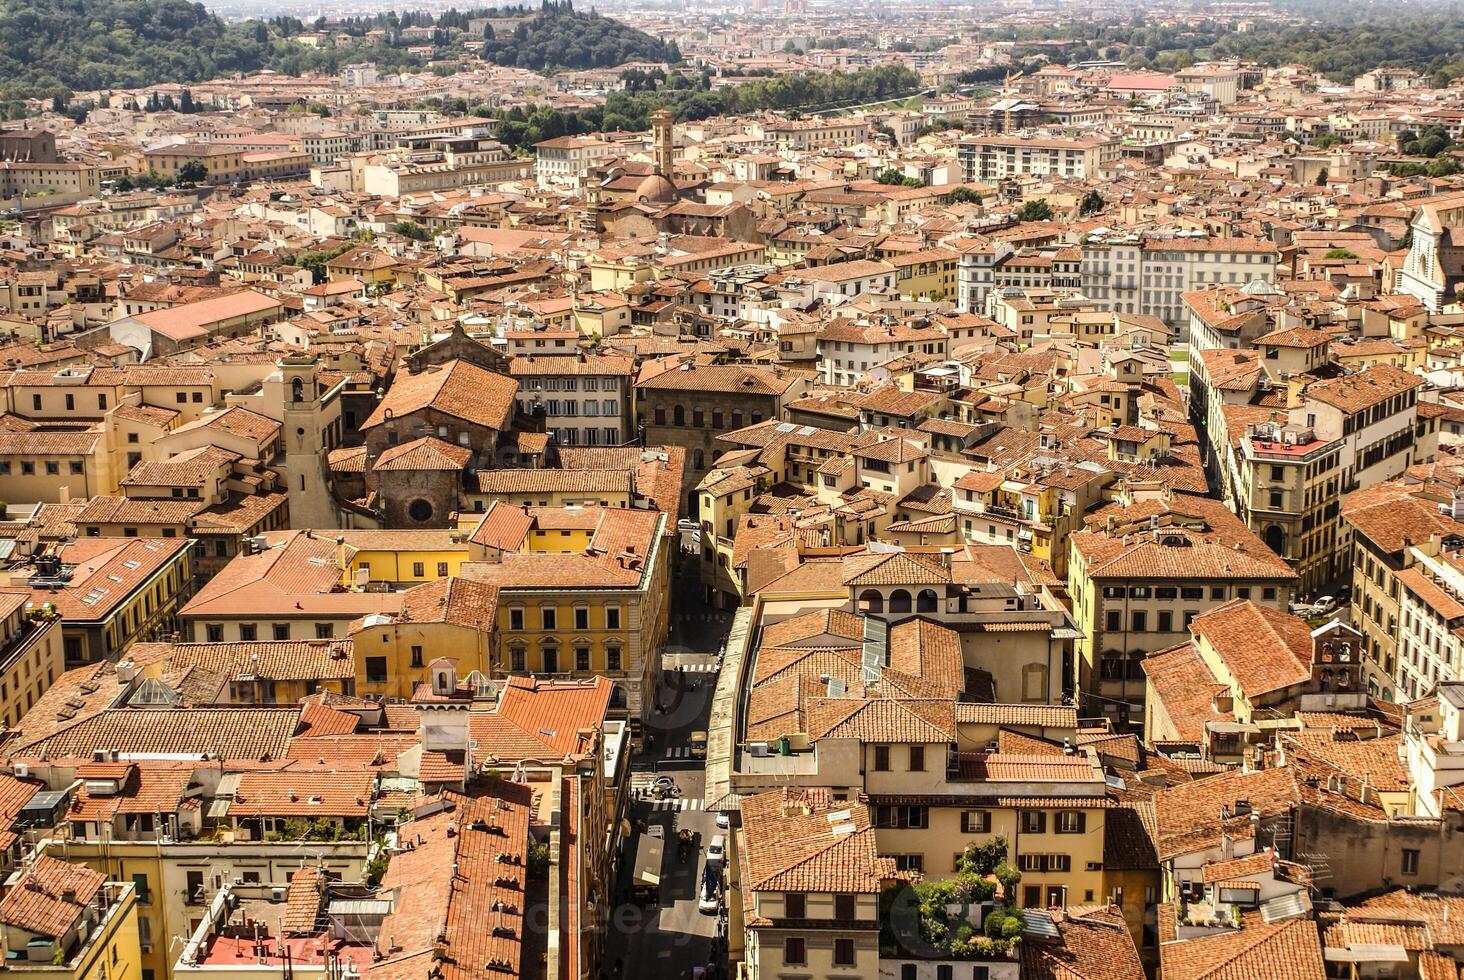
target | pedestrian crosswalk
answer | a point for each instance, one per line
(679, 752)
(702, 668)
(641, 783)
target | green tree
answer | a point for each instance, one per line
(961, 194)
(1341, 253)
(191, 173)
(1091, 203)
(890, 175)
(1035, 210)
(942, 909)
(412, 230)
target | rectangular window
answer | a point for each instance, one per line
(139, 885)
(375, 670)
(1071, 822)
(248, 632)
(844, 908)
(1410, 861)
(1034, 822)
(551, 617)
(909, 862)
(612, 618)
(795, 905)
(1114, 621)
(581, 618)
(881, 758)
(416, 656)
(515, 619)
(843, 952)
(281, 631)
(442, 569)
(793, 952)
(418, 569)
(976, 822)
(917, 758)
(582, 659)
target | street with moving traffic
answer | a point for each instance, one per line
(676, 932)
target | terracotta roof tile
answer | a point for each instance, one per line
(50, 897)
(1290, 949)
(458, 388)
(798, 841)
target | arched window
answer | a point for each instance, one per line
(1276, 539)
(698, 459)
(899, 601)
(926, 601)
(297, 390)
(870, 601)
(678, 415)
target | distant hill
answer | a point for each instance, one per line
(53, 46)
(56, 47)
(557, 38)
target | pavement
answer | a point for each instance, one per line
(669, 938)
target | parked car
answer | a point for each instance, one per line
(709, 896)
(724, 820)
(717, 851)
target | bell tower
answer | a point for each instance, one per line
(311, 427)
(662, 121)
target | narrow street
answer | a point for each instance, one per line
(669, 937)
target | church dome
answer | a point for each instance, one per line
(656, 189)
